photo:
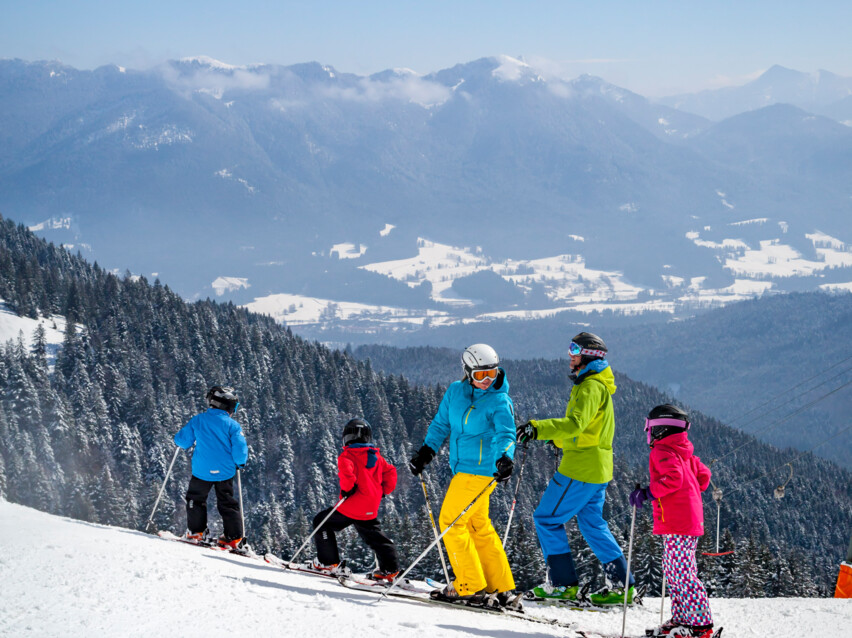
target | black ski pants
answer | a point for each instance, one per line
(228, 506)
(369, 531)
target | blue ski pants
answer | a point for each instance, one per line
(564, 499)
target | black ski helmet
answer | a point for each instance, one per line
(357, 431)
(222, 398)
(592, 347)
(665, 420)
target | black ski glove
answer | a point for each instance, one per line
(505, 465)
(349, 492)
(420, 460)
(526, 432)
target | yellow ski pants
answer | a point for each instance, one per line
(475, 550)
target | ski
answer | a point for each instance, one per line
(593, 634)
(583, 602)
(245, 550)
(401, 591)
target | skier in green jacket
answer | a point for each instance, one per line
(578, 488)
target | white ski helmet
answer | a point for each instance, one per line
(479, 356)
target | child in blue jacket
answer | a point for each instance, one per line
(220, 448)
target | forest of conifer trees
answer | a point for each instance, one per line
(89, 433)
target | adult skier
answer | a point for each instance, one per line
(477, 415)
(365, 479)
(220, 448)
(578, 488)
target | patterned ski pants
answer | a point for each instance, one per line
(690, 605)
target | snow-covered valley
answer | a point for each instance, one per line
(69, 578)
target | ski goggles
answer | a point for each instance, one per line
(575, 350)
(481, 375)
(653, 423)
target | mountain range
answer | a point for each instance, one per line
(482, 192)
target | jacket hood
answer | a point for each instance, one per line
(605, 376)
(678, 443)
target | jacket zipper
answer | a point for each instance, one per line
(480, 452)
(662, 512)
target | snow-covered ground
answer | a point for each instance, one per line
(68, 578)
(12, 326)
(758, 266)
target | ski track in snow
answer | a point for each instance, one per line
(62, 578)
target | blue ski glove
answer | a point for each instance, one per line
(505, 465)
(526, 432)
(639, 496)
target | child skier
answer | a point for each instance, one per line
(365, 478)
(677, 479)
(578, 488)
(220, 448)
(477, 415)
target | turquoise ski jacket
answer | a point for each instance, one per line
(479, 423)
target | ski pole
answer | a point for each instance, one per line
(436, 541)
(515, 497)
(240, 491)
(663, 589)
(627, 576)
(435, 529)
(319, 527)
(159, 496)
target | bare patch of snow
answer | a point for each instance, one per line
(347, 250)
(229, 284)
(54, 223)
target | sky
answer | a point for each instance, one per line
(653, 47)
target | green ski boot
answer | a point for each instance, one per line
(560, 592)
(610, 597)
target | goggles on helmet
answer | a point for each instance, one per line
(652, 423)
(481, 375)
(575, 349)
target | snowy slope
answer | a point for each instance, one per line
(12, 326)
(68, 578)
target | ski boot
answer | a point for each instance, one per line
(449, 595)
(697, 631)
(384, 577)
(337, 569)
(612, 597)
(202, 538)
(546, 591)
(509, 600)
(662, 630)
(234, 544)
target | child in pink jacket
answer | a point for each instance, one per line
(677, 479)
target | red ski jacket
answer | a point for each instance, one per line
(362, 464)
(677, 479)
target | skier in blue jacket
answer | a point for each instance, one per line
(220, 448)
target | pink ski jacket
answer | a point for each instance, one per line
(677, 479)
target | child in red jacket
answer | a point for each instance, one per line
(365, 478)
(677, 479)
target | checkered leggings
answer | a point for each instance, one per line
(690, 605)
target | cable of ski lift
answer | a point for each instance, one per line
(791, 399)
(785, 392)
(781, 420)
(790, 463)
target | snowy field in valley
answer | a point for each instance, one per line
(68, 578)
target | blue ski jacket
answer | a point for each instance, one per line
(479, 423)
(219, 445)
